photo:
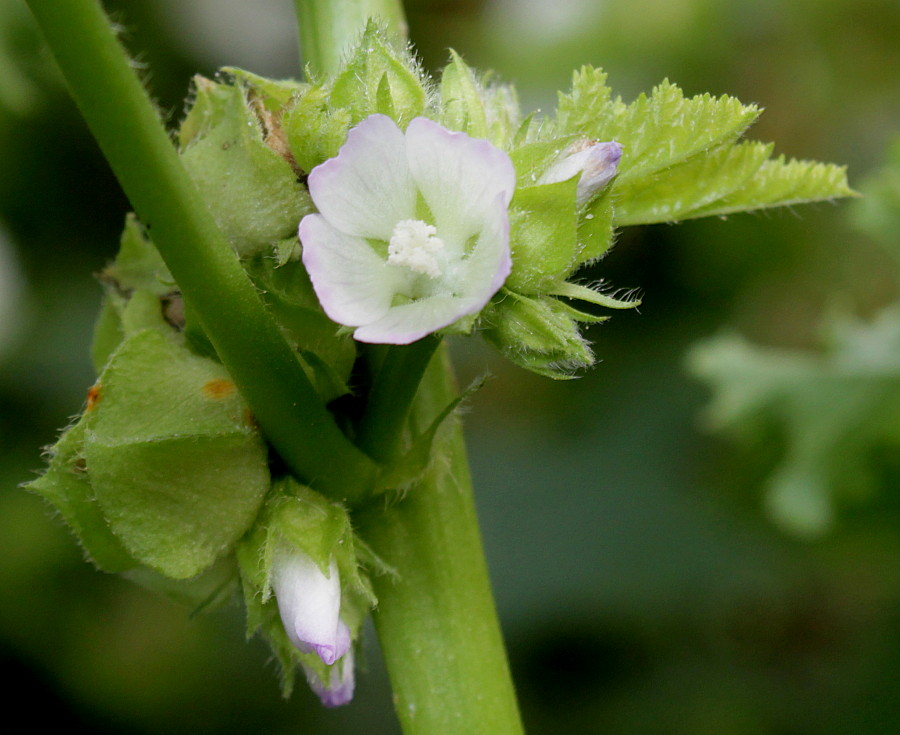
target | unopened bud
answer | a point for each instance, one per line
(310, 603)
(597, 162)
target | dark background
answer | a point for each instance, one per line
(641, 586)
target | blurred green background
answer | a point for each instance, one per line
(641, 585)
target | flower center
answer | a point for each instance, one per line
(413, 244)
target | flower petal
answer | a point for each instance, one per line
(480, 275)
(309, 604)
(460, 178)
(354, 285)
(409, 322)
(367, 188)
(338, 690)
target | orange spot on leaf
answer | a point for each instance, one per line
(218, 388)
(93, 397)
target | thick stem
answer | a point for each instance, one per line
(436, 619)
(329, 27)
(245, 336)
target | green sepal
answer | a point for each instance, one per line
(299, 519)
(596, 228)
(543, 235)
(275, 94)
(409, 468)
(539, 334)
(66, 486)
(327, 351)
(376, 65)
(461, 99)
(314, 130)
(531, 160)
(137, 267)
(251, 190)
(175, 460)
(592, 296)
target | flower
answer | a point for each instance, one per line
(310, 603)
(412, 232)
(597, 162)
(338, 690)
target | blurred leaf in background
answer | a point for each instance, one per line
(642, 587)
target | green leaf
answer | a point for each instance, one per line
(376, 64)
(779, 183)
(658, 131)
(833, 408)
(65, 485)
(681, 191)
(543, 235)
(251, 191)
(177, 466)
(589, 102)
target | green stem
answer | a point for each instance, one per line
(328, 28)
(245, 335)
(391, 396)
(436, 619)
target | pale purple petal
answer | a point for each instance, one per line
(353, 283)
(459, 177)
(309, 603)
(407, 323)
(367, 188)
(338, 691)
(596, 162)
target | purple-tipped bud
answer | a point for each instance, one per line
(338, 691)
(310, 603)
(597, 163)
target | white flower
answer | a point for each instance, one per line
(412, 232)
(310, 604)
(597, 163)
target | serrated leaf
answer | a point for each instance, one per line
(658, 131)
(833, 407)
(589, 101)
(176, 464)
(678, 192)
(779, 183)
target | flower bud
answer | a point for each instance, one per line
(338, 690)
(597, 162)
(309, 603)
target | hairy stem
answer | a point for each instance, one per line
(246, 337)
